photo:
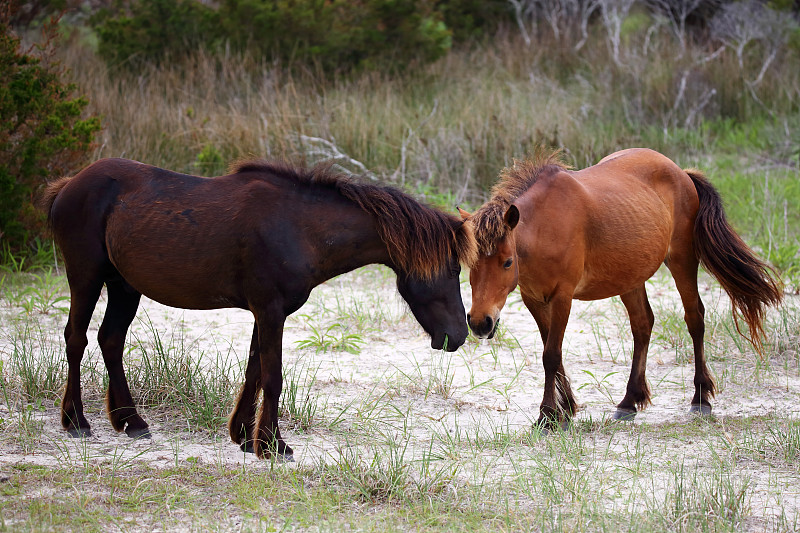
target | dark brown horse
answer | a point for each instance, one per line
(601, 232)
(261, 239)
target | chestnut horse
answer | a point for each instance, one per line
(260, 238)
(601, 232)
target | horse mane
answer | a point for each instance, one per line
(488, 223)
(419, 238)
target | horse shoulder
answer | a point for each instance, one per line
(551, 238)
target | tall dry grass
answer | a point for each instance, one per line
(451, 126)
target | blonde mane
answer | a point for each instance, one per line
(487, 221)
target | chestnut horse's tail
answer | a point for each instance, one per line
(751, 284)
(48, 197)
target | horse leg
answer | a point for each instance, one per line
(637, 395)
(684, 271)
(268, 441)
(83, 298)
(558, 403)
(123, 301)
(541, 314)
(242, 422)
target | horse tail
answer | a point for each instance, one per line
(48, 197)
(751, 284)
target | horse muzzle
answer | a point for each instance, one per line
(449, 342)
(483, 329)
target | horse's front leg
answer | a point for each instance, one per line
(242, 422)
(558, 404)
(541, 314)
(268, 441)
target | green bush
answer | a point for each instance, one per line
(338, 35)
(472, 19)
(153, 30)
(42, 134)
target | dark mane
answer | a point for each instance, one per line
(321, 174)
(513, 181)
(419, 238)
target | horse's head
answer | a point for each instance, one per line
(435, 300)
(437, 306)
(494, 275)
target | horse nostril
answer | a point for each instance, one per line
(489, 323)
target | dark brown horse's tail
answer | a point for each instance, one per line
(48, 197)
(751, 284)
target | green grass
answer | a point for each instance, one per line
(167, 370)
(298, 405)
(426, 441)
(430, 441)
(335, 337)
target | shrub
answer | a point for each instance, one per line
(42, 134)
(338, 35)
(471, 19)
(152, 30)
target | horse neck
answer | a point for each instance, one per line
(345, 241)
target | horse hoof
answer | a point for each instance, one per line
(624, 415)
(247, 447)
(700, 410)
(77, 433)
(551, 426)
(284, 458)
(141, 433)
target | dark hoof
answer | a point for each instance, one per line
(140, 433)
(79, 432)
(284, 458)
(548, 426)
(700, 410)
(247, 447)
(624, 415)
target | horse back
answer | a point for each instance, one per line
(654, 172)
(179, 239)
(83, 207)
(607, 228)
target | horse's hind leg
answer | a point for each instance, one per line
(684, 271)
(123, 301)
(242, 422)
(84, 292)
(637, 395)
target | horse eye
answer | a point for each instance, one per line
(508, 263)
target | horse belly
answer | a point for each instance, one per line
(624, 253)
(191, 291)
(601, 285)
(197, 270)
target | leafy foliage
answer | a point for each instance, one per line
(152, 30)
(338, 35)
(42, 134)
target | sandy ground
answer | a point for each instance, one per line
(397, 380)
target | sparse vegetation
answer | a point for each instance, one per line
(388, 435)
(438, 441)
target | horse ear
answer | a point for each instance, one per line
(464, 214)
(466, 245)
(511, 218)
